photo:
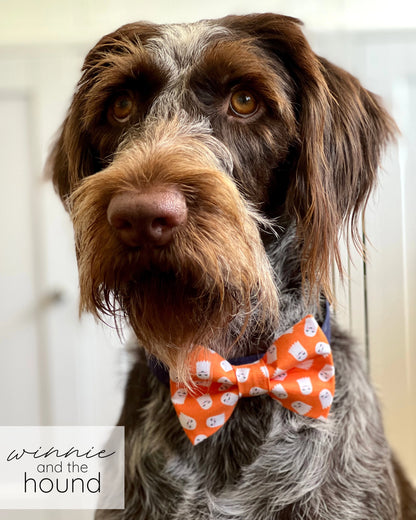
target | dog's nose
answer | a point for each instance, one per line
(147, 218)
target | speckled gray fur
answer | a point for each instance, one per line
(266, 462)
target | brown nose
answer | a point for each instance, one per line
(147, 218)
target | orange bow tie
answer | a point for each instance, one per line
(297, 371)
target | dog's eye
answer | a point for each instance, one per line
(243, 103)
(122, 107)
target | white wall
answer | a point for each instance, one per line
(51, 21)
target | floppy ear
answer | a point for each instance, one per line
(75, 154)
(342, 130)
(71, 157)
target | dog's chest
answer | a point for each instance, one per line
(226, 476)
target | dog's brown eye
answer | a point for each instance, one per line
(243, 103)
(122, 107)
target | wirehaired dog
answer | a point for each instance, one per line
(209, 169)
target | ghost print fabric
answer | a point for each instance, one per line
(297, 371)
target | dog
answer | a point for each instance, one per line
(209, 169)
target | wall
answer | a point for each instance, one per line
(50, 21)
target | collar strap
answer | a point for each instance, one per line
(162, 373)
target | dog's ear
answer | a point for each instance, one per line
(74, 156)
(342, 130)
(71, 157)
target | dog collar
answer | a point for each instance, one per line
(161, 371)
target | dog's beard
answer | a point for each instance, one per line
(210, 286)
(177, 298)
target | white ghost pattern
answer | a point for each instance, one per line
(279, 392)
(279, 375)
(216, 420)
(242, 374)
(229, 398)
(265, 371)
(305, 385)
(326, 398)
(326, 373)
(205, 401)
(203, 369)
(199, 438)
(205, 384)
(187, 423)
(301, 408)
(226, 366)
(271, 355)
(179, 396)
(256, 390)
(298, 352)
(225, 384)
(323, 349)
(311, 327)
(305, 365)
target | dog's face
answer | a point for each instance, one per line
(181, 143)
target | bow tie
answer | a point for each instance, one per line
(297, 371)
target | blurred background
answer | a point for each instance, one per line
(57, 369)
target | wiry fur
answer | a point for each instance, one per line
(195, 277)
(266, 198)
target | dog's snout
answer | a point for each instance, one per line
(147, 218)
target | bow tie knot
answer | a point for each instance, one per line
(297, 371)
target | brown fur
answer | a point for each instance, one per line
(200, 293)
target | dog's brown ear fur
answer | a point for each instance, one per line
(70, 159)
(342, 130)
(73, 157)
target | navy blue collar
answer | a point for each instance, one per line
(162, 372)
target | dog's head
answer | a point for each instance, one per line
(235, 119)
